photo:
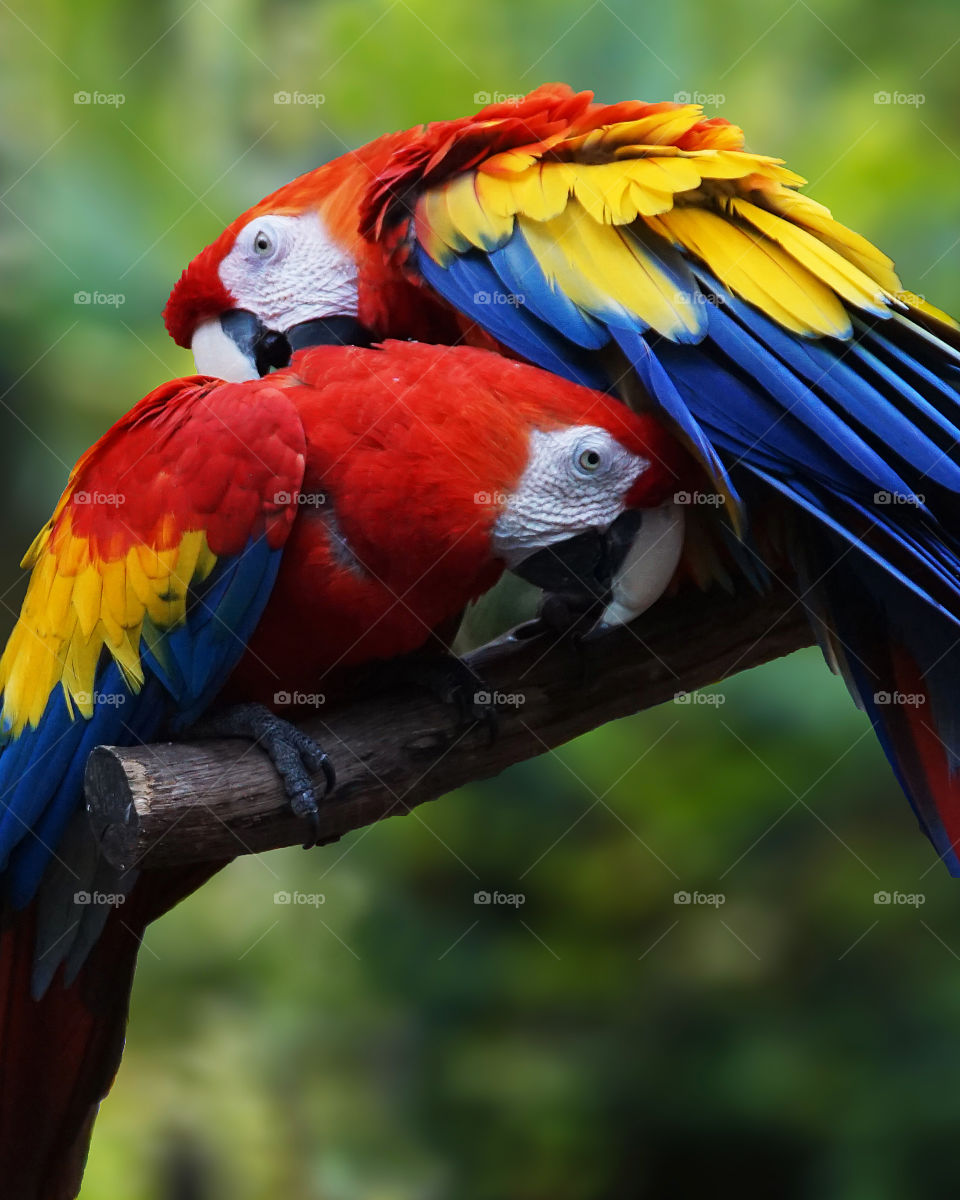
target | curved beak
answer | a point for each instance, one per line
(237, 346)
(646, 567)
(617, 572)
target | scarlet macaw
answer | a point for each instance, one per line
(639, 248)
(236, 540)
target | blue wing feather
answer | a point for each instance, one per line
(471, 284)
(520, 273)
(119, 717)
(41, 771)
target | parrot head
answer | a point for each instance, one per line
(293, 271)
(592, 519)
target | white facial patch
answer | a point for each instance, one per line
(575, 480)
(288, 269)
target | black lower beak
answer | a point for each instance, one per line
(265, 348)
(270, 349)
(582, 568)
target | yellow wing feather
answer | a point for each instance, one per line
(599, 267)
(737, 212)
(837, 272)
(759, 271)
(76, 607)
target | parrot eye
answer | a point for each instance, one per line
(590, 457)
(265, 238)
(263, 244)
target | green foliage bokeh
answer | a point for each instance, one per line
(399, 1041)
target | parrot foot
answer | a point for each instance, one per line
(561, 617)
(295, 755)
(566, 622)
(456, 686)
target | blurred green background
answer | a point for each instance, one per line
(399, 1041)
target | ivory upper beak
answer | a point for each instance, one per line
(217, 354)
(647, 567)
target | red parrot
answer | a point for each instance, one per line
(243, 539)
(643, 250)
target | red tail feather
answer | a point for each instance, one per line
(922, 754)
(59, 1054)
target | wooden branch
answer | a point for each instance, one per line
(175, 803)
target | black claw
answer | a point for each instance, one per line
(313, 817)
(535, 627)
(490, 719)
(329, 774)
(566, 621)
(456, 686)
(296, 757)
